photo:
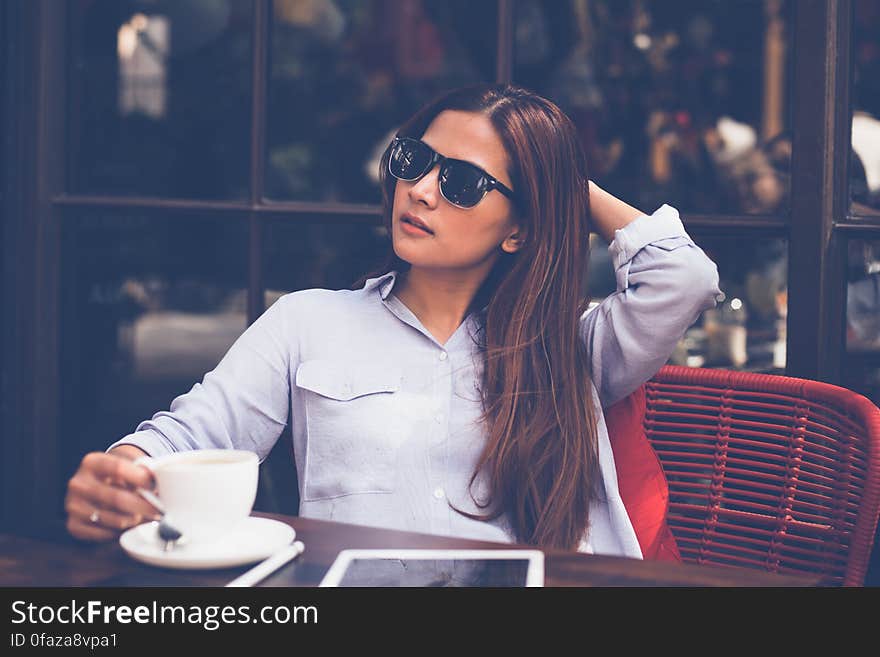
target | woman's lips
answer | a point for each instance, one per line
(411, 229)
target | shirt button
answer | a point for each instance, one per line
(438, 418)
(439, 493)
(443, 355)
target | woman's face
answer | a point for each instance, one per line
(462, 239)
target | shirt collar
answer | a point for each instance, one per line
(385, 284)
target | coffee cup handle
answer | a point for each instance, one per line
(149, 496)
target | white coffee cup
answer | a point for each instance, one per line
(204, 493)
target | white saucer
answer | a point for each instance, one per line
(257, 539)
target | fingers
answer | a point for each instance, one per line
(103, 466)
(87, 514)
(100, 500)
(87, 531)
(100, 494)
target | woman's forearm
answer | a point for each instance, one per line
(609, 213)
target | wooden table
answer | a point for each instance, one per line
(63, 562)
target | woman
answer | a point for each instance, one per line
(461, 391)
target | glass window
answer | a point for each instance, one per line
(746, 331)
(345, 74)
(865, 162)
(676, 102)
(149, 305)
(160, 97)
(303, 254)
(862, 370)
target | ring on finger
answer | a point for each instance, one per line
(95, 517)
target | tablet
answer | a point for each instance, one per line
(390, 567)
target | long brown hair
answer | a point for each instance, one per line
(540, 455)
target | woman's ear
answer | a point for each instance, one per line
(514, 242)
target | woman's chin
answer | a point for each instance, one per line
(407, 251)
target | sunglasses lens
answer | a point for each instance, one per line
(408, 159)
(462, 184)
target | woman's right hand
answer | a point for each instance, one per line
(102, 500)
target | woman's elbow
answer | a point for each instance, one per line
(711, 281)
(698, 274)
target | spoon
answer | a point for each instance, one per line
(168, 534)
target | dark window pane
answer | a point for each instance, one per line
(862, 361)
(746, 331)
(149, 306)
(160, 97)
(344, 75)
(865, 163)
(681, 102)
(302, 254)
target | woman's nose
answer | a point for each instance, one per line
(426, 187)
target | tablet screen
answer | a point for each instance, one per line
(436, 568)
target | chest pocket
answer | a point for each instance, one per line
(351, 447)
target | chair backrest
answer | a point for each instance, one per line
(767, 471)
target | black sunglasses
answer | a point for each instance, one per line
(461, 183)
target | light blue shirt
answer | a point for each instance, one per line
(384, 417)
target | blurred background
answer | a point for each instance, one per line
(170, 168)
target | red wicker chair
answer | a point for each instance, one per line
(767, 471)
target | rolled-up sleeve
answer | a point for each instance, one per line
(241, 404)
(664, 283)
